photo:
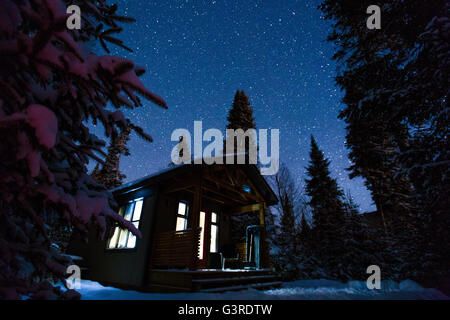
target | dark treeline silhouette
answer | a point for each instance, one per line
(323, 237)
(395, 82)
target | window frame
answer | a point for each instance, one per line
(212, 225)
(120, 231)
(201, 223)
(184, 216)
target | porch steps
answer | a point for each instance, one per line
(258, 286)
(230, 282)
(225, 280)
(211, 280)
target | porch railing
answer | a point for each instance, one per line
(176, 249)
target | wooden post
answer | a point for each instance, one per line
(265, 259)
(262, 209)
(195, 213)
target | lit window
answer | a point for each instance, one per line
(213, 247)
(182, 216)
(123, 238)
(202, 234)
(182, 208)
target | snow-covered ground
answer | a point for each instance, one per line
(296, 290)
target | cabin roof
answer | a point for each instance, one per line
(156, 178)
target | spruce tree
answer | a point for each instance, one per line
(325, 195)
(396, 90)
(240, 116)
(327, 209)
(52, 85)
(376, 133)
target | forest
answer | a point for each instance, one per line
(55, 83)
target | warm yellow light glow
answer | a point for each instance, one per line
(202, 234)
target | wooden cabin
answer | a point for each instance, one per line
(189, 239)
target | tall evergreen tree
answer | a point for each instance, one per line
(109, 175)
(325, 195)
(396, 95)
(327, 208)
(376, 133)
(240, 116)
(51, 86)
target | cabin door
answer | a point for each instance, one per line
(209, 236)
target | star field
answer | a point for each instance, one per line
(198, 53)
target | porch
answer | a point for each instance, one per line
(196, 210)
(211, 280)
(199, 251)
(182, 249)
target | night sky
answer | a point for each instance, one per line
(198, 53)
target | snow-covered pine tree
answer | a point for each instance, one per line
(375, 131)
(51, 86)
(396, 87)
(424, 95)
(109, 175)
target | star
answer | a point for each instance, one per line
(197, 54)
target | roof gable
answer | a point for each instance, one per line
(233, 173)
